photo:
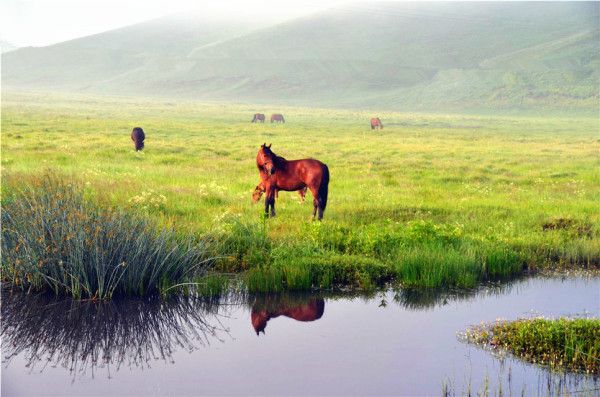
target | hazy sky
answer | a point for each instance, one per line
(43, 22)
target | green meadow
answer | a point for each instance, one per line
(432, 200)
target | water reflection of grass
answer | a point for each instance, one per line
(132, 332)
(550, 384)
(82, 336)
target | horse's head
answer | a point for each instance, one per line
(258, 192)
(265, 159)
(259, 320)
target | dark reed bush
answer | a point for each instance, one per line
(53, 237)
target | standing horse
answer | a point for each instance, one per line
(278, 173)
(277, 117)
(138, 136)
(376, 123)
(258, 117)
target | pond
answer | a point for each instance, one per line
(391, 342)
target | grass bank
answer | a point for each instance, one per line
(571, 344)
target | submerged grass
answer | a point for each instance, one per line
(53, 237)
(571, 344)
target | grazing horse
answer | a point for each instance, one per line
(278, 173)
(376, 123)
(310, 311)
(277, 117)
(138, 136)
(260, 189)
(258, 117)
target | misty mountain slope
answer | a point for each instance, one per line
(6, 47)
(389, 55)
(88, 62)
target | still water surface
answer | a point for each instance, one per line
(393, 342)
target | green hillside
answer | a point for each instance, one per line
(429, 56)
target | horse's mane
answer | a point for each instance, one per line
(277, 160)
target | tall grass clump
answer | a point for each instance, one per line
(571, 344)
(55, 238)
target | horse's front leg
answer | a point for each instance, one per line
(270, 200)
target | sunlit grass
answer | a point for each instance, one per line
(433, 199)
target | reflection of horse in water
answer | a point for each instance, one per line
(310, 310)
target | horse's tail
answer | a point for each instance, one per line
(139, 144)
(324, 187)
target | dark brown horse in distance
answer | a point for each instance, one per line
(258, 117)
(278, 118)
(138, 136)
(309, 311)
(376, 123)
(278, 173)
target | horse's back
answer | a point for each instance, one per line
(310, 171)
(138, 134)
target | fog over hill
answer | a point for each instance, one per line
(6, 47)
(413, 56)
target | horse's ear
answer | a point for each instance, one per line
(264, 145)
(269, 145)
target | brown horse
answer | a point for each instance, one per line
(138, 136)
(278, 118)
(376, 123)
(310, 311)
(260, 189)
(278, 173)
(258, 117)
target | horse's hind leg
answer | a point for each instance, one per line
(315, 194)
(302, 193)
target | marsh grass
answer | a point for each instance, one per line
(56, 238)
(433, 200)
(571, 344)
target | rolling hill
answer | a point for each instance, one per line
(414, 56)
